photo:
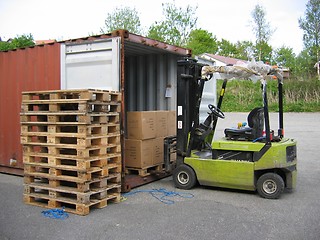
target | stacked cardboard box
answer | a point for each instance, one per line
(146, 131)
(71, 149)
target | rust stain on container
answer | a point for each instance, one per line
(29, 69)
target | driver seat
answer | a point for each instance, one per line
(254, 131)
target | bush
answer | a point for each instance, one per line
(244, 95)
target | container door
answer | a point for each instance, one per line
(91, 64)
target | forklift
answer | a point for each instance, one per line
(249, 157)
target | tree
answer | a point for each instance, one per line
(263, 52)
(304, 65)
(245, 50)
(227, 49)
(261, 28)
(176, 26)
(201, 41)
(310, 25)
(122, 18)
(285, 57)
(20, 41)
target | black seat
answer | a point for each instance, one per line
(254, 129)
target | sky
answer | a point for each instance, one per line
(227, 19)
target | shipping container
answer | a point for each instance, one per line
(29, 69)
(142, 69)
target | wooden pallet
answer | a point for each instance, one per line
(69, 206)
(91, 185)
(81, 131)
(68, 118)
(65, 151)
(68, 175)
(71, 148)
(143, 172)
(84, 94)
(68, 170)
(72, 194)
(75, 105)
(69, 140)
(72, 162)
(105, 168)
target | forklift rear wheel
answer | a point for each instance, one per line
(184, 177)
(270, 185)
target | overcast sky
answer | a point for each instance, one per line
(228, 19)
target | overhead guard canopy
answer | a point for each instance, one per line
(252, 70)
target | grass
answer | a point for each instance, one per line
(244, 95)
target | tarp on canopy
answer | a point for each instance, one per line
(251, 70)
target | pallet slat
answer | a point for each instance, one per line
(85, 94)
(36, 118)
(67, 106)
(81, 131)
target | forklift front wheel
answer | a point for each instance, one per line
(270, 185)
(184, 177)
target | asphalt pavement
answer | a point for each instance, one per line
(210, 213)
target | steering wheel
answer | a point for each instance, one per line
(216, 111)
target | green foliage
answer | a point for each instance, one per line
(201, 41)
(227, 48)
(176, 26)
(4, 46)
(240, 95)
(285, 57)
(310, 25)
(304, 65)
(261, 27)
(302, 96)
(244, 95)
(122, 18)
(263, 32)
(18, 42)
(245, 50)
(263, 52)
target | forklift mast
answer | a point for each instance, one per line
(189, 94)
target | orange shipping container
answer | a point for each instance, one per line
(29, 69)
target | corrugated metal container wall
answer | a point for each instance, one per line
(151, 82)
(29, 69)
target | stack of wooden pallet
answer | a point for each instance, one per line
(71, 149)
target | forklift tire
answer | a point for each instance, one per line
(270, 186)
(184, 177)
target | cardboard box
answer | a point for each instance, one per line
(141, 125)
(138, 153)
(158, 151)
(161, 123)
(172, 123)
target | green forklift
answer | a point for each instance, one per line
(248, 157)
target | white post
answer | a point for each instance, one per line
(317, 65)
